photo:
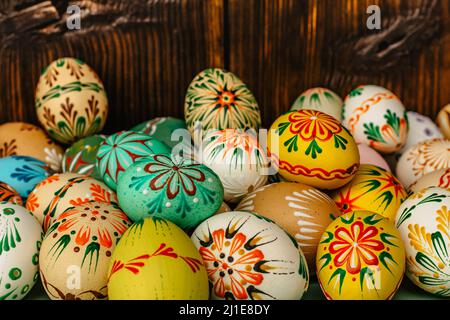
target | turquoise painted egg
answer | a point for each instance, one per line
(82, 155)
(23, 173)
(121, 150)
(179, 190)
(162, 129)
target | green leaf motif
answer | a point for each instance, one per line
(330, 237)
(362, 275)
(93, 251)
(348, 221)
(385, 238)
(440, 246)
(373, 132)
(340, 142)
(385, 257)
(313, 149)
(341, 274)
(371, 220)
(327, 257)
(291, 144)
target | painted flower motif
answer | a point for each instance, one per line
(231, 265)
(174, 176)
(311, 124)
(352, 246)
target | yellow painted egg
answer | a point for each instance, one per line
(360, 257)
(71, 102)
(423, 158)
(54, 195)
(77, 249)
(313, 148)
(249, 257)
(25, 139)
(156, 260)
(321, 99)
(373, 189)
(217, 99)
(424, 224)
(303, 211)
(439, 178)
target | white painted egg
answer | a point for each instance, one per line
(320, 99)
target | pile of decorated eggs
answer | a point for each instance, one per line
(234, 215)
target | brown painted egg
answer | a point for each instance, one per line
(58, 192)
(25, 139)
(71, 101)
(303, 211)
(77, 249)
(8, 194)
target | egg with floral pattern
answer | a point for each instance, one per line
(180, 190)
(439, 178)
(77, 250)
(313, 148)
(25, 139)
(238, 159)
(424, 224)
(121, 150)
(423, 158)
(249, 257)
(320, 99)
(71, 102)
(81, 156)
(54, 195)
(155, 260)
(8, 194)
(303, 211)
(22, 173)
(217, 99)
(373, 189)
(360, 257)
(20, 241)
(375, 116)
(161, 128)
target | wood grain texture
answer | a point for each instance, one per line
(147, 52)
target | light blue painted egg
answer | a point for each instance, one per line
(182, 191)
(22, 173)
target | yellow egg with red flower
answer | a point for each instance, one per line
(313, 148)
(360, 256)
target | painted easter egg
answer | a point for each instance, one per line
(57, 193)
(22, 173)
(368, 155)
(320, 99)
(250, 257)
(81, 156)
(439, 178)
(237, 158)
(360, 257)
(71, 101)
(423, 158)
(121, 150)
(25, 139)
(8, 194)
(155, 260)
(373, 189)
(180, 190)
(421, 128)
(313, 148)
(77, 250)
(162, 129)
(20, 241)
(303, 211)
(443, 121)
(376, 117)
(424, 223)
(217, 99)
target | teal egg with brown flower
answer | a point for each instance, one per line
(180, 190)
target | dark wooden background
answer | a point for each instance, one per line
(147, 52)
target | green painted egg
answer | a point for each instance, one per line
(81, 156)
(182, 191)
(162, 129)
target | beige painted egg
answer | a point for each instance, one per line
(58, 192)
(71, 102)
(320, 99)
(249, 257)
(439, 178)
(25, 139)
(77, 249)
(303, 211)
(443, 120)
(423, 158)
(9, 194)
